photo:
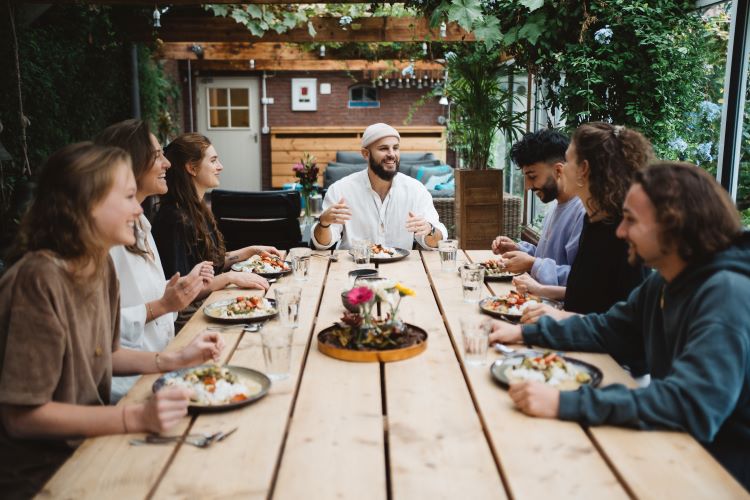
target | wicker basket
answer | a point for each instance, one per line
(446, 209)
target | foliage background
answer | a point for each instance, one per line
(75, 81)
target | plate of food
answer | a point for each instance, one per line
(510, 306)
(242, 309)
(380, 253)
(562, 372)
(266, 266)
(217, 388)
(494, 270)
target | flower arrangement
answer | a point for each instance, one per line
(306, 172)
(362, 330)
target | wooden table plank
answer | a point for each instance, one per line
(108, 466)
(537, 456)
(335, 445)
(644, 460)
(253, 450)
(437, 446)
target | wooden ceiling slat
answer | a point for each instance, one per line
(182, 28)
(151, 3)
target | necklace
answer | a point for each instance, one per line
(385, 212)
(661, 300)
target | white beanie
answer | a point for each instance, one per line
(377, 131)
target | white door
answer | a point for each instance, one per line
(228, 114)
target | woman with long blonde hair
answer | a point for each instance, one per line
(59, 322)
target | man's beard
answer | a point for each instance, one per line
(634, 258)
(549, 191)
(381, 172)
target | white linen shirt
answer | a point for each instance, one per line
(368, 211)
(141, 280)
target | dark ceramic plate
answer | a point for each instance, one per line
(500, 366)
(238, 267)
(400, 253)
(212, 311)
(240, 372)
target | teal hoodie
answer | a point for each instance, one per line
(694, 336)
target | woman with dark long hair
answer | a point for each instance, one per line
(600, 165)
(60, 327)
(184, 227)
(148, 301)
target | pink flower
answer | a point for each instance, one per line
(360, 295)
(298, 167)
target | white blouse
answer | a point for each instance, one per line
(376, 220)
(141, 281)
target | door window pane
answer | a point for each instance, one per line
(239, 97)
(240, 118)
(219, 118)
(217, 97)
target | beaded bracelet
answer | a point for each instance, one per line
(150, 312)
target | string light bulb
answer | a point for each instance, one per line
(322, 51)
(424, 49)
(443, 30)
(157, 17)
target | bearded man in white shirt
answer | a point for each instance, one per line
(378, 204)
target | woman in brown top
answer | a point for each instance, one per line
(59, 322)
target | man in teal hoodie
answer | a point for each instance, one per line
(689, 322)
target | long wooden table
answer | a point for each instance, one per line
(428, 427)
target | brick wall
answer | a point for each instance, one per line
(333, 108)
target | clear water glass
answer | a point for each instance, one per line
(361, 252)
(300, 262)
(472, 280)
(277, 351)
(448, 250)
(287, 303)
(475, 331)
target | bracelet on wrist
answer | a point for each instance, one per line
(150, 312)
(324, 225)
(124, 421)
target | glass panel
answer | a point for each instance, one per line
(240, 118)
(219, 118)
(356, 94)
(217, 97)
(743, 180)
(240, 98)
(371, 94)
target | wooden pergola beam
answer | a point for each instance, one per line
(184, 28)
(180, 3)
(239, 51)
(384, 66)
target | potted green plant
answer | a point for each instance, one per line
(481, 107)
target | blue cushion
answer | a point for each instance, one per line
(438, 180)
(423, 173)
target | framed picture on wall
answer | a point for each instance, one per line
(304, 94)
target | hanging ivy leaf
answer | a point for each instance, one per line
(465, 12)
(532, 4)
(254, 11)
(487, 30)
(219, 10)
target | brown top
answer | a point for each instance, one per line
(56, 341)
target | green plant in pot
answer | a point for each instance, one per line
(480, 105)
(480, 108)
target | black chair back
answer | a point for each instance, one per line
(258, 218)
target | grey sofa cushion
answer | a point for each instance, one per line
(356, 157)
(335, 171)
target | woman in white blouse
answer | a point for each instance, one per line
(148, 301)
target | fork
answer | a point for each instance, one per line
(332, 257)
(197, 440)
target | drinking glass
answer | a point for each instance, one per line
(287, 303)
(361, 252)
(475, 331)
(300, 262)
(448, 250)
(277, 351)
(472, 279)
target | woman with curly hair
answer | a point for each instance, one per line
(60, 322)
(148, 301)
(184, 227)
(600, 164)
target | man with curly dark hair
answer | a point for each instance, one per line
(689, 322)
(541, 157)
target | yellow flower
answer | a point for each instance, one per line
(403, 291)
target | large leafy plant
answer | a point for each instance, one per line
(481, 106)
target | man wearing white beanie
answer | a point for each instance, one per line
(378, 204)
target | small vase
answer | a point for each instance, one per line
(308, 218)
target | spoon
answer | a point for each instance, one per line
(504, 349)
